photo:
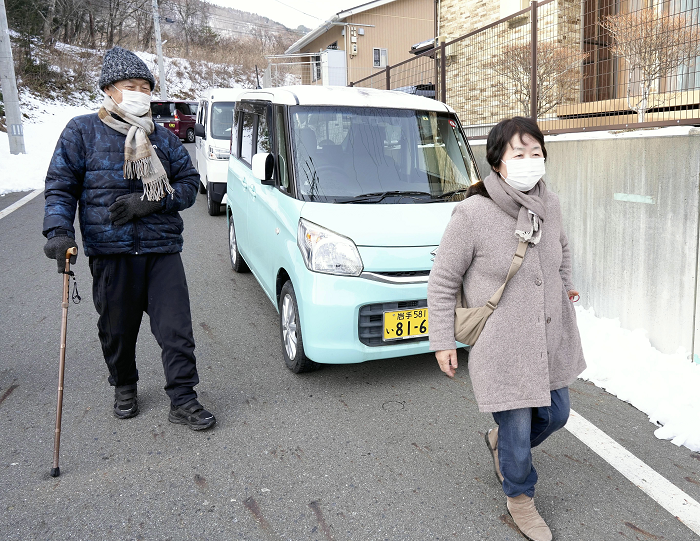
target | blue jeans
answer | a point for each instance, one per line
(518, 432)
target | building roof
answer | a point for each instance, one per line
(337, 18)
(344, 96)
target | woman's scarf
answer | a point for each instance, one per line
(140, 158)
(526, 207)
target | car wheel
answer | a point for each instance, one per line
(190, 136)
(238, 264)
(213, 207)
(290, 333)
(202, 188)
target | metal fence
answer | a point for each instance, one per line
(574, 65)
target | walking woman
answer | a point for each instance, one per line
(529, 351)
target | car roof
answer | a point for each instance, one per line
(344, 96)
(223, 94)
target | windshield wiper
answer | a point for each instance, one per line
(447, 195)
(376, 197)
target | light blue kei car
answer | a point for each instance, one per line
(337, 199)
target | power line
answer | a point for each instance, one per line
(300, 11)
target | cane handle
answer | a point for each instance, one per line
(71, 251)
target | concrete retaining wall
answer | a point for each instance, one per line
(630, 207)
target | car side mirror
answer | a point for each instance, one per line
(199, 130)
(263, 167)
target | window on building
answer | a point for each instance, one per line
(315, 68)
(381, 57)
(599, 67)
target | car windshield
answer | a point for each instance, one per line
(373, 155)
(222, 119)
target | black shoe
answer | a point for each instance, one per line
(191, 414)
(125, 403)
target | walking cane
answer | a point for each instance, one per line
(56, 471)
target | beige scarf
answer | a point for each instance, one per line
(140, 158)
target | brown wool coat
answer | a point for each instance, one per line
(530, 344)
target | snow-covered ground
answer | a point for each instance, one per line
(622, 362)
(23, 172)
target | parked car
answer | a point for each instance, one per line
(426, 89)
(213, 144)
(337, 199)
(176, 115)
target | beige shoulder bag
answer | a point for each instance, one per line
(469, 322)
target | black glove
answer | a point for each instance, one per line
(130, 207)
(56, 248)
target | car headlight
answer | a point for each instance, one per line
(327, 252)
(218, 153)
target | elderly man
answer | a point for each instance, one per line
(131, 177)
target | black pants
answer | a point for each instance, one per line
(126, 286)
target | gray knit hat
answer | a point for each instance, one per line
(120, 64)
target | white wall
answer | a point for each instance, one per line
(630, 207)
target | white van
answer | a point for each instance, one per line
(213, 144)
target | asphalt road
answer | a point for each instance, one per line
(386, 450)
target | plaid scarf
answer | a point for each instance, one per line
(140, 158)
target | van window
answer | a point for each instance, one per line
(247, 137)
(183, 108)
(205, 118)
(222, 119)
(382, 155)
(162, 109)
(234, 133)
(263, 142)
(283, 173)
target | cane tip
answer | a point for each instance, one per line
(55, 472)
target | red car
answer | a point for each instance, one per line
(176, 115)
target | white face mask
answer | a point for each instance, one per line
(524, 174)
(133, 102)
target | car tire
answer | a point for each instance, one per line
(290, 333)
(238, 264)
(189, 136)
(213, 207)
(202, 188)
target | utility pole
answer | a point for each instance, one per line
(9, 87)
(159, 50)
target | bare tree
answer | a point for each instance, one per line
(654, 45)
(558, 74)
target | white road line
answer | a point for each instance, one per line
(14, 206)
(660, 489)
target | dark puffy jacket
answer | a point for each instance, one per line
(87, 166)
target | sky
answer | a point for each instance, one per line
(292, 13)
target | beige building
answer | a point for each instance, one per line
(357, 43)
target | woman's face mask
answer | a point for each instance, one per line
(133, 102)
(524, 173)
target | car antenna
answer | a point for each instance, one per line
(257, 77)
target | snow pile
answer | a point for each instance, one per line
(665, 387)
(24, 172)
(669, 131)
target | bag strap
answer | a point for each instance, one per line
(514, 267)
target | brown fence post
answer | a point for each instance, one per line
(443, 74)
(533, 65)
(388, 78)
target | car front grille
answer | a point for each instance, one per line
(371, 321)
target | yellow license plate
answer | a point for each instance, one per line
(405, 324)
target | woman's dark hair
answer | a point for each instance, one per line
(501, 134)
